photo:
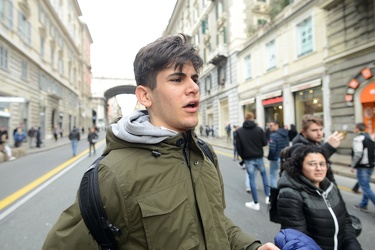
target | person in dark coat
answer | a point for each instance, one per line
(39, 138)
(292, 132)
(278, 140)
(309, 201)
(74, 137)
(312, 134)
(250, 142)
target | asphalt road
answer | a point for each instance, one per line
(32, 197)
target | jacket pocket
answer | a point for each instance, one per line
(168, 220)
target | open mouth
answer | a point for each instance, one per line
(192, 105)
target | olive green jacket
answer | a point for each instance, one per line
(161, 196)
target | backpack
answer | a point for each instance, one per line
(274, 192)
(285, 154)
(272, 205)
(91, 206)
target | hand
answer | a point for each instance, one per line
(268, 246)
(335, 139)
(352, 170)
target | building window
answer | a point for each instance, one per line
(248, 70)
(24, 28)
(3, 57)
(52, 57)
(24, 70)
(61, 66)
(6, 13)
(41, 46)
(305, 37)
(221, 72)
(271, 55)
(208, 84)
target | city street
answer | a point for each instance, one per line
(41, 195)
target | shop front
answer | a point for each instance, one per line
(367, 98)
(273, 107)
(308, 99)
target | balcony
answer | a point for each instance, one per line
(218, 55)
(221, 20)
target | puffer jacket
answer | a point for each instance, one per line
(278, 140)
(301, 140)
(291, 239)
(162, 195)
(318, 212)
(250, 141)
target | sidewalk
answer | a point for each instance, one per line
(339, 165)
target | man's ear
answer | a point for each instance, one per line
(143, 95)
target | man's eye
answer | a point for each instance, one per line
(176, 80)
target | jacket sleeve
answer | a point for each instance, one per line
(357, 151)
(238, 239)
(70, 232)
(329, 149)
(290, 209)
(272, 148)
(239, 146)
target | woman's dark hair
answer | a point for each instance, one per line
(170, 51)
(293, 166)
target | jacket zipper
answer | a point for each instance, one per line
(324, 195)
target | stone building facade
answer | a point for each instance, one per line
(45, 66)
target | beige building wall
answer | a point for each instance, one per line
(42, 45)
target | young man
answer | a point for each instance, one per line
(74, 137)
(156, 184)
(363, 162)
(312, 134)
(278, 140)
(250, 142)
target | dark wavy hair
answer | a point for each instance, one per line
(165, 52)
(293, 165)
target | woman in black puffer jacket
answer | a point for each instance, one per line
(309, 201)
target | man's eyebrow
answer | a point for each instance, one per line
(182, 74)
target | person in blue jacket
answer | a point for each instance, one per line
(278, 140)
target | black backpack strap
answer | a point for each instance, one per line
(206, 150)
(92, 209)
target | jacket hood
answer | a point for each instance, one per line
(135, 128)
(282, 132)
(248, 124)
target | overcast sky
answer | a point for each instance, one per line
(119, 28)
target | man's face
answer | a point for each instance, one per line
(273, 126)
(313, 133)
(175, 100)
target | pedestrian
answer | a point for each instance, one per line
(201, 130)
(39, 137)
(292, 132)
(31, 133)
(4, 146)
(19, 137)
(55, 133)
(159, 188)
(250, 142)
(74, 137)
(235, 152)
(268, 131)
(61, 132)
(228, 129)
(363, 162)
(278, 140)
(309, 200)
(92, 138)
(208, 131)
(312, 134)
